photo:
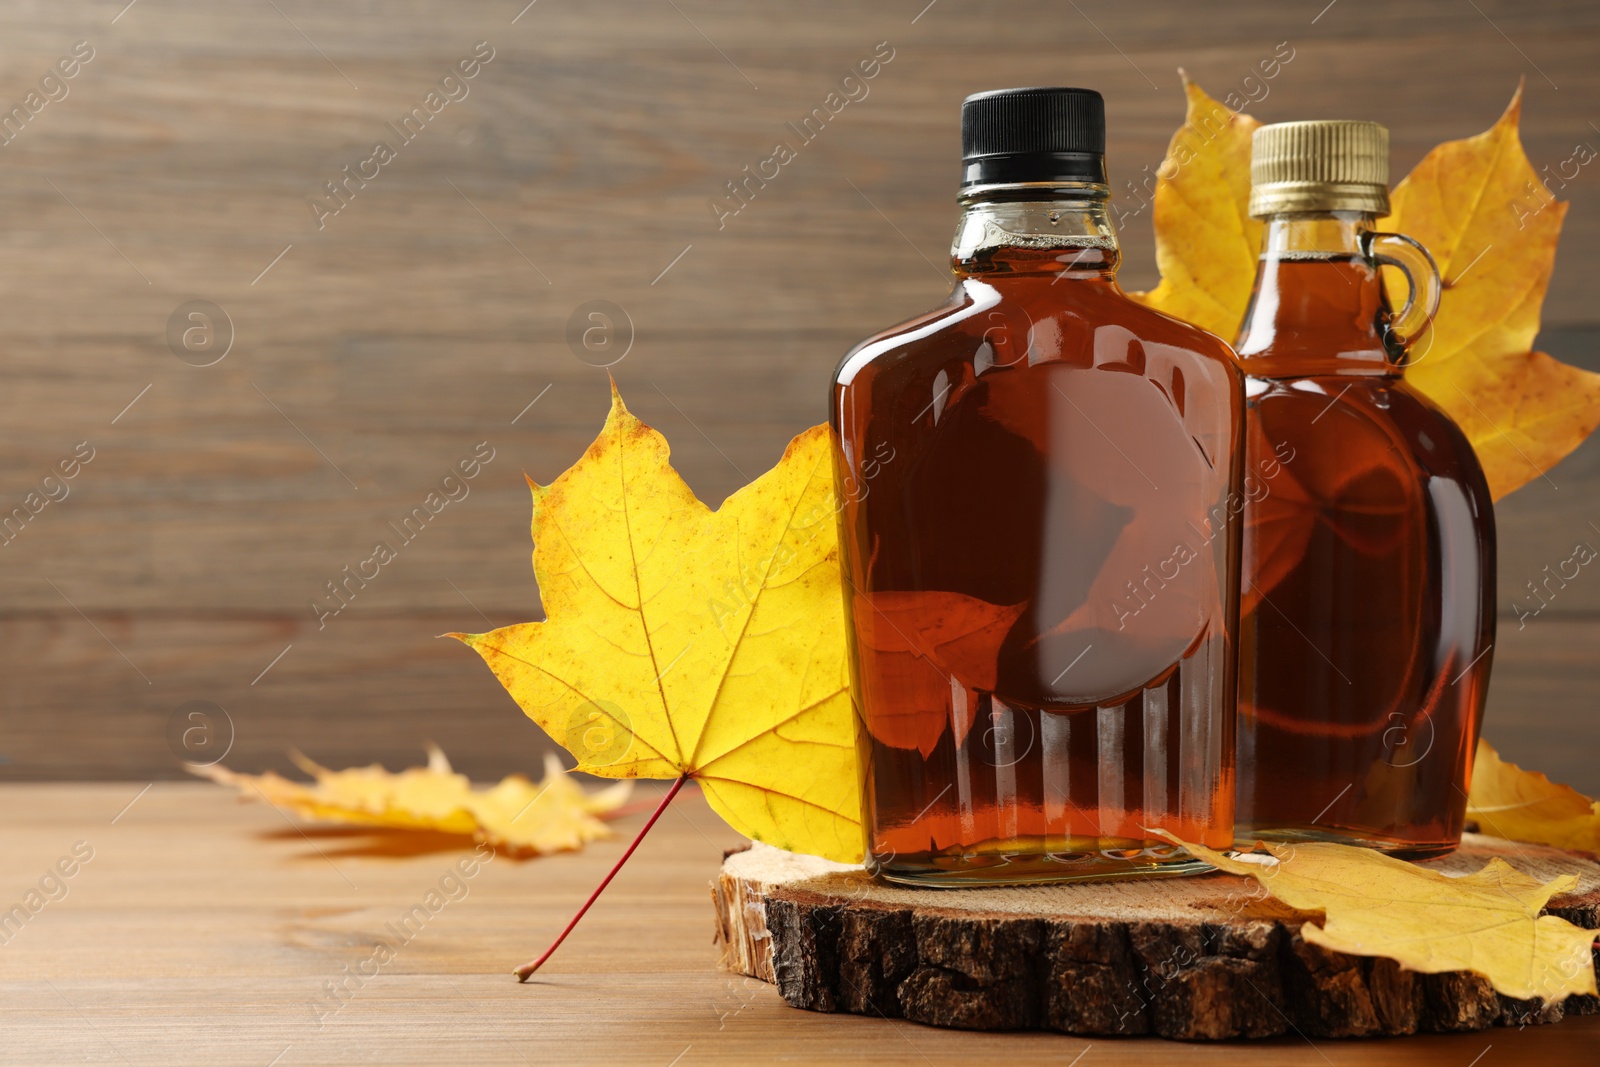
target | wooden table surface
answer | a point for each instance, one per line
(202, 931)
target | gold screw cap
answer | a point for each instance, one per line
(1319, 166)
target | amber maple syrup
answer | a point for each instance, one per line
(1367, 608)
(1040, 534)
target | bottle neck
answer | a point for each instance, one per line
(1319, 305)
(1044, 231)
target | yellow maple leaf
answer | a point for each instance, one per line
(1207, 245)
(1479, 207)
(1476, 204)
(1376, 905)
(682, 642)
(519, 816)
(1509, 802)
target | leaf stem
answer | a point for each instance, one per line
(527, 969)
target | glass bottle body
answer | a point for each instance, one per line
(1040, 565)
(1367, 606)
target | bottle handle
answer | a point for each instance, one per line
(1422, 275)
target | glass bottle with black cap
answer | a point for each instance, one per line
(1038, 487)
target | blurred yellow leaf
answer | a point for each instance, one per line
(1476, 204)
(1376, 905)
(686, 642)
(1509, 802)
(517, 815)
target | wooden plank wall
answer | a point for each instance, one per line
(374, 351)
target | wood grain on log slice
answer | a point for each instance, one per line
(1205, 957)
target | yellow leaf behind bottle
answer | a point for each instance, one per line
(1477, 205)
(1509, 802)
(1207, 244)
(1492, 226)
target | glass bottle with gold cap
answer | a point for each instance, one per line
(1366, 614)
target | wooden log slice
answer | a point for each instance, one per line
(1205, 957)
